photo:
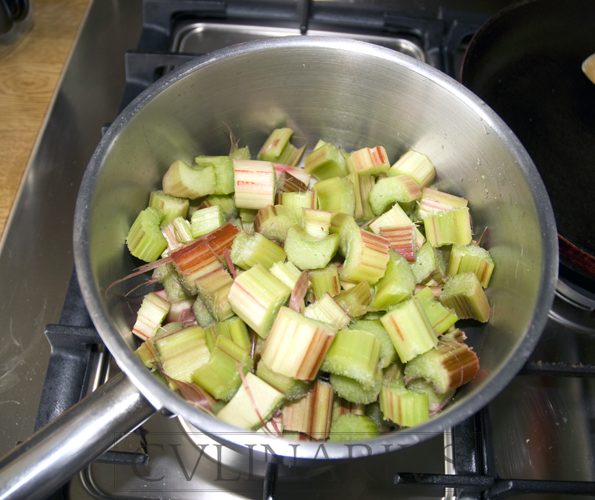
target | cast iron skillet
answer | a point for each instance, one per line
(526, 64)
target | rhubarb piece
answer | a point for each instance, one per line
(354, 354)
(251, 249)
(254, 183)
(473, 259)
(205, 220)
(464, 293)
(201, 313)
(237, 153)
(290, 184)
(387, 355)
(362, 188)
(274, 221)
(353, 428)
(416, 165)
(409, 329)
(325, 162)
(441, 318)
(335, 195)
(182, 352)
(355, 300)
(253, 405)
(170, 280)
(343, 407)
(247, 215)
(287, 273)
(297, 345)
(297, 172)
(223, 168)
(446, 228)
(276, 142)
(169, 206)
(291, 388)
(311, 415)
(317, 222)
(308, 252)
(291, 155)
(181, 312)
(395, 217)
(177, 233)
(356, 392)
(345, 226)
(296, 202)
(434, 201)
(256, 296)
(369, 161)
(328, 311)
(447, 367)
(397, 284)
(144, 239)
(228, 207)
(367, 258)
(325, 280)
(184, 181)
(402, 406)
(235, 329)
(389, 190)
(146, 353)
(436, 401)
(150, 316)
(429, 264)
(401, 239)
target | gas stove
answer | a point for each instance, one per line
(537, 436)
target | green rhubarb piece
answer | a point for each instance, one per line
(362, 188)
(295, 202)
(235, 329)
(441, 318)
(473, 259)
(291, 388)
(182, 352)
(273, 222)
(169, 278)
(354, 354)
(274, 145)
(464, 294)
(388, 355)
(223, 168)
(328, 311)
(354, 391)
(205, 220)
(184, 181)
(355, 300)
(227, 204)
(436, 401)
(335, 195)
(308, 252)
(390, 190)
(252, 405)
(286, 272)
(144, 239)
(169, 206)
(345, 226)
(402, 406)
(326, 161)
(247, 215)
(242, 153)
(250, 249)
(325, 280)
(417, 165)
(291, 155)
(446, 228)
(397, 284)
(317, 222)
(147, 355)
(435, 201)
(369, 161)
(409, 329)
(353, 428)
(366, 259)
(448, 366)
(429, 264)
(177, 233)
(256, 296)
(201, 313)
(151, 314)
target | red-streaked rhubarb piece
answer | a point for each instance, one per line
(369, 161)
(325, 162)
(362, 187)
(298, 294)
(367, 257)
(287, 183)
(150, 316)
(325, 280)
(311, 415)
(434, 201)
(297, 172)
(409, 329)
(253, 404)
(328, 311)
(250, 249)
(390, 190)
(441, 317)
(395, 217)
(446, 228)
(464, 294)
(401, 239)
(181, 312)
(317, 222)
(417, 165)
(177, 233)
(447, 367)
(471, 258)
(256, 296)
(335, 195)
(254, 183)
(144, 239)
(297, 345)
(402, 406)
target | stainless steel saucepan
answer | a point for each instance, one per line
(350, 93)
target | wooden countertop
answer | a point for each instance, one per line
(30, 68)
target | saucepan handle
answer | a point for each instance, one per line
(52, 455)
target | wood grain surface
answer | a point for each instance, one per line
(30, 68)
